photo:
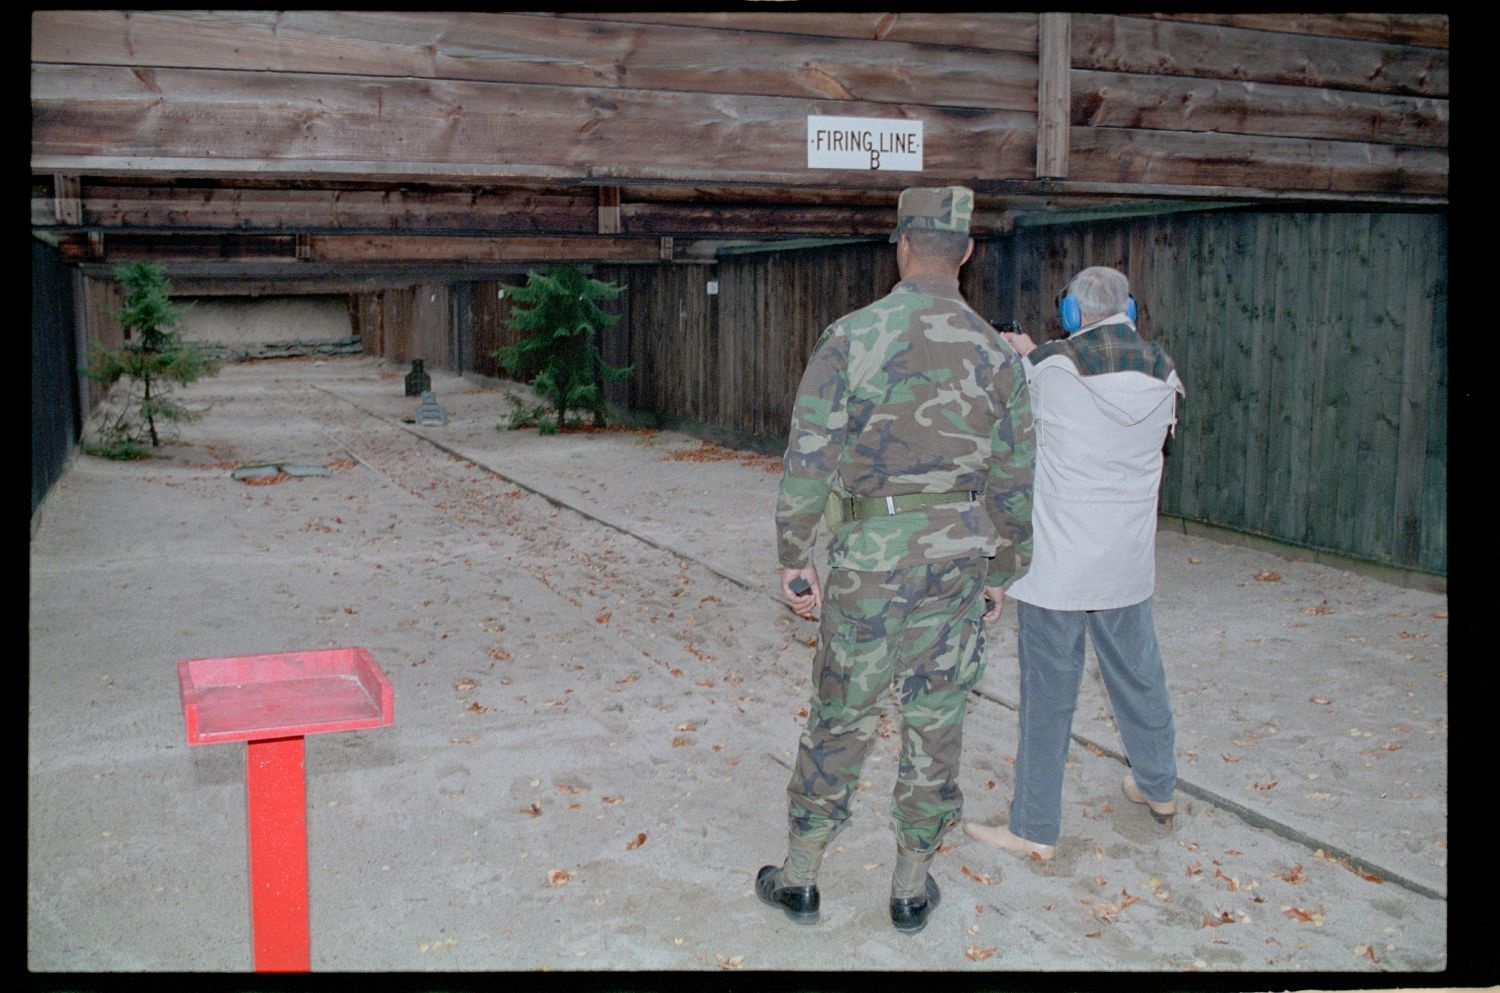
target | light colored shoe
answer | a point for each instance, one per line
(1000, 837)
(1162, 813)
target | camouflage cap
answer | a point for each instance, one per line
(938, 208)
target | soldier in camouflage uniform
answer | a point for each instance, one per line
(911, 439)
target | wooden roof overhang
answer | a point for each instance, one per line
(345, 147)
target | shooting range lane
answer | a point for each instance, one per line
(598, 695)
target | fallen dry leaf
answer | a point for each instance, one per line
(687, 727)
(735, 962)
(977, 954)
(1230, 758)
(476, 708)
(571, 789)
(978, 877)
(636, 842)
(1193, 561)
(1362, 874)
(1293, 875)
(609, 798)
(465, 685)
(559, 877)
(1269, 576)
(1366, 952)
(1297, 914)
(1265, 786)
(1321, 700)
(680, 742)
(535, 810)
(1108, 913)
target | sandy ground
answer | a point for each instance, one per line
(598, 698)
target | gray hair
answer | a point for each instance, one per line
(1100, 291)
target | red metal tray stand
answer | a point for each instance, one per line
(271, 702)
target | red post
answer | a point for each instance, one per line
(276, 800)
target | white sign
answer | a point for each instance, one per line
(864, 143)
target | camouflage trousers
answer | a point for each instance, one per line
(919, 632)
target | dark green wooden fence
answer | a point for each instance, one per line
(1313, 348)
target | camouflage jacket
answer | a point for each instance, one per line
(914, 393)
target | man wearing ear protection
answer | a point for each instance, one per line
(1103, 400)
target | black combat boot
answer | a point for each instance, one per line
(914, 893)
(793, 886)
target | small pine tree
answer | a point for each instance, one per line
(153, 364)
(560, 313)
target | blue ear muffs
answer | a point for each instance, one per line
(1072, 318)
(1068, 312)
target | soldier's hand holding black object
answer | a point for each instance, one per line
(994, 603)
(802, 590)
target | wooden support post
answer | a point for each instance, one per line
(1053, 94)
(276, 804)
(609, 210)
(67, 199)
(666, 249)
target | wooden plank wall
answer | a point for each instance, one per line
(474, 96)
(404, 323)
(1313, 348)
(1338, 103)
(731, 361)
(1314, 352)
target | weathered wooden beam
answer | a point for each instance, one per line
(130, 247)
(775, 221)
(198, 208)
(1005, 31)
(1427, 30)
(592, 52)
(227, 206)
(1212, 196)
(367, 248)
(1054, 64)
(1172, 48)
(1248, 163)
(196, 122)
(1177, 103)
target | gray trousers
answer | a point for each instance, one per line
(1051, 657)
